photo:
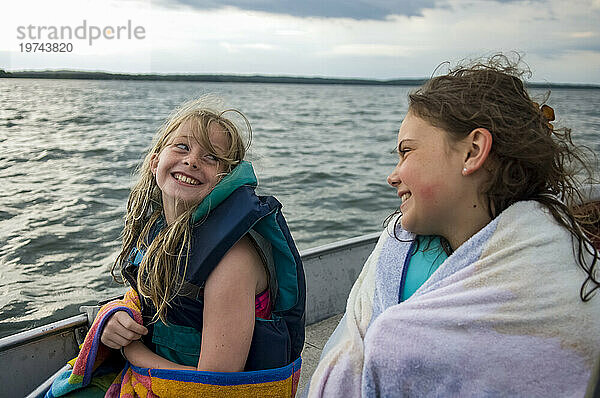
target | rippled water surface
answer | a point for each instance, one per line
(68, 150)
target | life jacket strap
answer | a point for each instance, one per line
(192, 291)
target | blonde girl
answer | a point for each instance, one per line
(197, 250)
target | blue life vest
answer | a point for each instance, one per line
(223, 222)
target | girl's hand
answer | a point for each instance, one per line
(120, 330)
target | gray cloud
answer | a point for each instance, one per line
(355, 9)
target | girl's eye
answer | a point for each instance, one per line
(185, 147)
(402, 152)
(211, 158)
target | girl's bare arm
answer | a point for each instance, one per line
(141, 356)
(229, 310)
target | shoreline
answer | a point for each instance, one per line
(223, 78)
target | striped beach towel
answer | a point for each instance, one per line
(94, 365)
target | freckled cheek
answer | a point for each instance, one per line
(430, 193)
(427, 192)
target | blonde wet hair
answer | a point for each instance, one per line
(158, 277)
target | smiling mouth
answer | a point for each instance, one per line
(186, 179)
(405, 196)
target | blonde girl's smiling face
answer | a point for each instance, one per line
(185, 171)
(428, 177)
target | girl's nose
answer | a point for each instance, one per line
(393, 178)
(191, 163)
(390, 181)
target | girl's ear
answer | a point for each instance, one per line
(479, 145)
(154, 163)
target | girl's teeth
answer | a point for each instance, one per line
(187, 180)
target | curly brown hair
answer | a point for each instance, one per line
(529, 159)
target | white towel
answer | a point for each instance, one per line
(501, 316)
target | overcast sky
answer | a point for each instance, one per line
(378, 39)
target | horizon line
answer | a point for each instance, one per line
(243, 78)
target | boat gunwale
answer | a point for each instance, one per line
(27, 336)
(330, 248)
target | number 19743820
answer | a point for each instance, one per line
(46, 47)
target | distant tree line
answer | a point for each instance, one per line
(68, 74)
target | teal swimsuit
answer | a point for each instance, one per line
(423, 263)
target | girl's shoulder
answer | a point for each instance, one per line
(242, 264)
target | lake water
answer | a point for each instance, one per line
(68, 149)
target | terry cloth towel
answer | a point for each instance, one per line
(132, 381)
(500, 317)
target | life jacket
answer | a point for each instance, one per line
(276, 342)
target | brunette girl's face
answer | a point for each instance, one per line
(428, 177)
(185, 171)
